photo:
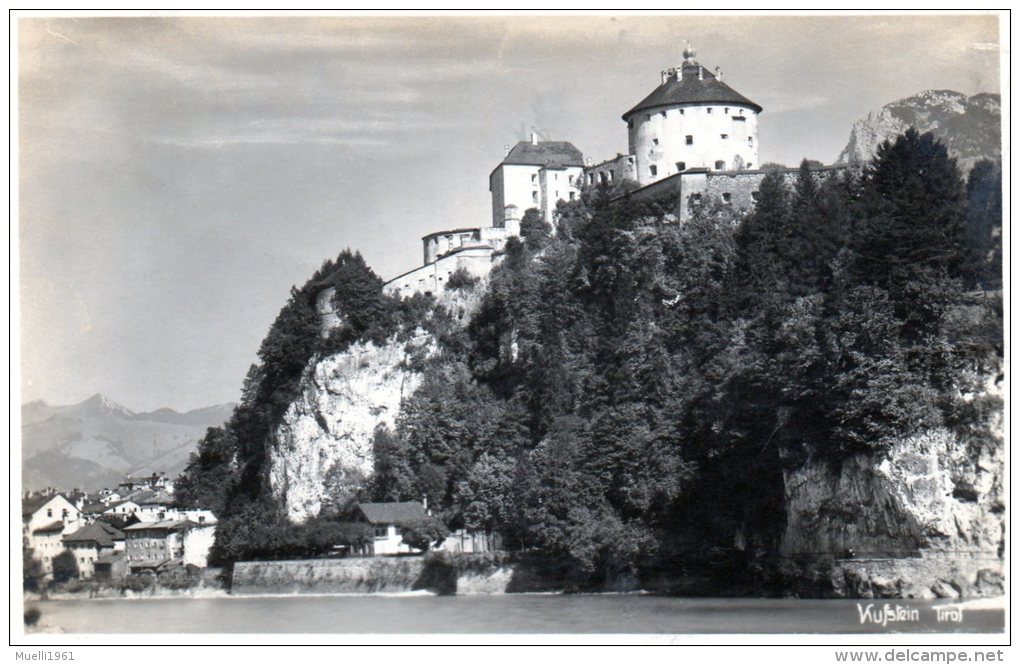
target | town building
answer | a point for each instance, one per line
(89, 543)
(44, 521)
(154, 545)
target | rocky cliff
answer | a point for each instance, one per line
(923, 520)
(323, 446)
(969, 126)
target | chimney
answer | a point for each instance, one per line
(506, 149)
(665, 75)
(534, 138)
(718, 73)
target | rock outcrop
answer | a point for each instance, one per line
(924, 520)
(969, 126)
(323, 446)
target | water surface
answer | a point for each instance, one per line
(511, 613)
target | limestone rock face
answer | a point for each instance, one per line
(969, 126)
(932, 492)
(324, 444)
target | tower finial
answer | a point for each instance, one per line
(689, 52)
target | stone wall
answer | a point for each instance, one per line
(353, 575)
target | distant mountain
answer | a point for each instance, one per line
(969, 126)
(96, 442)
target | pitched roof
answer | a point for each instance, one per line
(165, 525)
(32, 504)
(393, 513)
(544, 153)
(50, 528)
(98, 532)
(113, 557)
(690, 88)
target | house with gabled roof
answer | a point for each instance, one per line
(44, 521)
(90, 543)
(388, 521)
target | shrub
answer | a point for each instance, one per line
(65, 567)
(461, 279)
(32, 615)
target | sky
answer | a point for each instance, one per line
(177, 176)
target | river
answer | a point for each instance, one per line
(512, 613)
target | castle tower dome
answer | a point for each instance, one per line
(692, 120)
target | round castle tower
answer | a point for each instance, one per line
(692, 120)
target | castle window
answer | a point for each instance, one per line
(556, 176)
(741, 111)
(681, 111)
(533, 177)
(720, 165)
(663, 114)
(750, 140)
(571, 196)
(724, 136)
(726, 110)
(655, 141)
(709, 109)
(681, 166)
(648, 116)
(689, 140)
(570, 180)
(653, 169)
(534, 197)
(755, 195)
(726, 197)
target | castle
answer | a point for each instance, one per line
(693, 136)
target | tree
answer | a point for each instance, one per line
(31, 571)
(423, 534)
(534, 229)
(206, 481)
(65, 567)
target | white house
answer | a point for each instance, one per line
(388, 521)
(535, 174)
(44, 521)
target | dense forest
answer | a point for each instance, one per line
(627, 395)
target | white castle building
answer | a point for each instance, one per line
(692, 133)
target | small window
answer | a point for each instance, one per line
(49, 512)
(724, 136)
(380, 531)
(695, 199)
(689, 140)
(534, 176)
(710, 109)
(681, 111)
(720, 165)
(726, 197)
(534, 196)
(557, 194)
(741, 111)
(570, 180)
(681, 166)
(612, 174)
(726, 110)
(750, 140)
(663, 114)
(556, 176)
(755, 195)
(655, 141)
(571, 196)
(648, 116)
(653, 169)
(591, 178)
